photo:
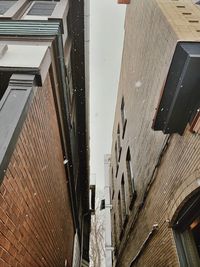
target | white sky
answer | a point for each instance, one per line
(106, 44)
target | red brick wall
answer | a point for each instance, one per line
(36, 227)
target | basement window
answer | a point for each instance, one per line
(187, 233)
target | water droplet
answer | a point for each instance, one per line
(65, 161)
(138, 84)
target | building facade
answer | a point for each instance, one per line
(155, 159)
(44, 153)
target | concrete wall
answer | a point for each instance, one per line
(36, 227)
(151, 34)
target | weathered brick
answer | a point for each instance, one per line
(34, 200)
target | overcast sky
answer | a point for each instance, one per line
(106, 44)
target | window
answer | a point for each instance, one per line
(119, 143)
(42, 9)
(197, 2)
(115, 232)
(4, 78)
(5, 5)
(187, 233)
(123, 202)
(69, 80)
(116, 159)
(130, 178)
(119, 215)
(112, 180)
(195, 123)
(123, 117)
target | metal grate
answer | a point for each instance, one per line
(5, 5)
(42, 9)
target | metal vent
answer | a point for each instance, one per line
(5, 5)
(42, 9)
(181, 95)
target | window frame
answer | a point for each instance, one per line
(124, 202)
(130, 178)
(123, 117)
(182, 233)
(119, 147)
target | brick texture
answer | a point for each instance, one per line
(36, 227)
(152, 30)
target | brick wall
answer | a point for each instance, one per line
(36, 227)
(151, 34)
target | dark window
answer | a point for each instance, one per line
(118, 143)
(116, 159)
(187, 233)
(112, 181)
(5, 5)
(69, 80)
(123, 201)
(115, 231)
(42, 9)
(123, 117)
(130, 178)
(119, 214)
(4, 81)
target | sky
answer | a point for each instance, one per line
(106, 44)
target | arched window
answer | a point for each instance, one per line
(187, 233)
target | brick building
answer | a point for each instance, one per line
(155, 159)
(44, 169)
